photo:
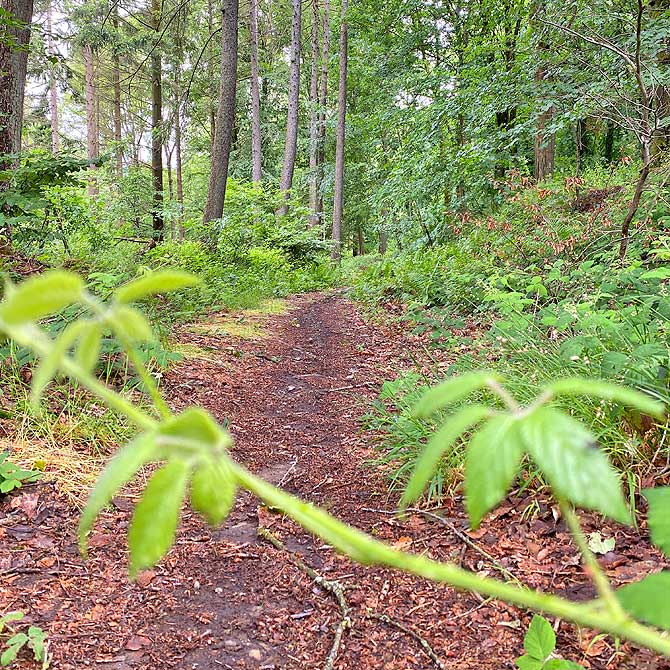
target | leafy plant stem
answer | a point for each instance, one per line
(599, 578)
(503, 394)
(370, 551)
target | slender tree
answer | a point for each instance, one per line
(291, 143)
(314, 117)
(116, 85)
(338, 202)
(323, 101)
(225, 120)
(158, 223)
(53, 90)
(256, 150)
(92, 130)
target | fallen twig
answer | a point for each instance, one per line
(344, 388)
(408, 631)
(334, 588)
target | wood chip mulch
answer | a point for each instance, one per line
(224, 598)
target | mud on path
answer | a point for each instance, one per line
(225, 598)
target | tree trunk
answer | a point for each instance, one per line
(291, 143)
(13, 69)
(53, 90)
(210, 75)
(314, 117)
(544, 144)
(216, 192)
(635, 202)
(116, 83)
(91, 116)
(338, 201)
(323, 101)
(158, 224)
(177, 148)
(256, 150)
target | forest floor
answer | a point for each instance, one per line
(292, 391)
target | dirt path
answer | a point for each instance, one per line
(226, 599)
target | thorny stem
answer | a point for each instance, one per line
(599, 578)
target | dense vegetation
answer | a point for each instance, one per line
(493, 175)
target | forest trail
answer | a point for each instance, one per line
(292, 395)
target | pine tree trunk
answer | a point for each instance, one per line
(177, 148)
(158, 224)
(338, 201)
(116, 84)
(323, 101)
(13, 69)
(225, 121)
(256, 149)
(91, 116)
(210, 76)
(291, 143)
(314, 118)
(53, 91)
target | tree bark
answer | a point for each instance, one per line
(256, 149)
(291, 143)
(314, 118)
(116, 84)
(210, 77)
(635, 202)
(158, 223)
(177, 148)
(13, 70)
(545, 144)
(323, 101)
(338, 201)
(53, 90)
(91, 117)
(225, 120)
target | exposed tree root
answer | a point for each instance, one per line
(334, 588)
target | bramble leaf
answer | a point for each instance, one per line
(213, 488)
(491, 463)
(572, 386)
(540, 639)
(88, 349)
(119, 471)
(451, 391)
(194, 427)
(156, 516)
(574, 466)
(658, 516)
(442, 439)
(40, 296)
(130, 324)
(160, 281)
(647, 600)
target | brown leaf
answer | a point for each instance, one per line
(27, 503)
(145, 578)
(136, 642)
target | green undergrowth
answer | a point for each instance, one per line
(542, 284)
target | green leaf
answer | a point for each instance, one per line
(658, 516)
(598, 545)
(540, 639)
(155, 282)
(50, 364)
(526, 662)
(10, 616)
(119, 471)
(213, 488)
(130, 324)
(575, 467)
(156, 516)
(561, 664)
(14, 646)
(194, 427)
(451, 391)
(40, 296)
(647, 600)
(88, 349)
(491, 463)
(427, 463)
(572, 386)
